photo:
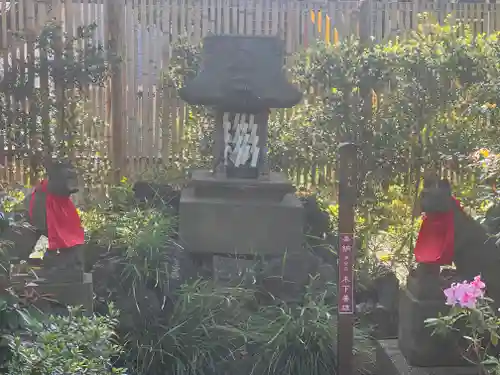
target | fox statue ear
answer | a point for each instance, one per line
(47, 161)
(444, 183)
(430, 179)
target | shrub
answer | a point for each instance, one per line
(74, 345)
(13, 318)
(143, 236)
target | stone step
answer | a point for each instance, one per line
(51, 276)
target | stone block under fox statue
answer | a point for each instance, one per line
(50, 212)
(449, 235)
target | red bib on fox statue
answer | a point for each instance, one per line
(63, 225)
(436, 238)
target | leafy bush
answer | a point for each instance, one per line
(66, 345)
(13, 318)
(144, 237)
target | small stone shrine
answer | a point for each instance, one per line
(240, 207)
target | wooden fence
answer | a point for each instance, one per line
(21, 22)
(146, 125)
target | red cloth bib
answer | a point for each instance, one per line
(64, 227)
(436, 238)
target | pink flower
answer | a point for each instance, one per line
(478, 283)
(465, 294)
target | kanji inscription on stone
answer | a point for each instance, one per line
(346, 284)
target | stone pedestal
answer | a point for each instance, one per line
(65, 293)
(391, 361)
(221, 215)
(423, 298)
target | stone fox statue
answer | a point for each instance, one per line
(449, 234)
(50, 212)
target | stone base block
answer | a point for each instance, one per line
(416, 341)
(66, 294)
(272, 188)
(391, 361)
(221, 225)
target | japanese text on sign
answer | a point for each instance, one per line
(346, 292)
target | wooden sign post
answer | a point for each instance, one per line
(346, 306)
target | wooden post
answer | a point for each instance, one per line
(346, 306)
(115, 48)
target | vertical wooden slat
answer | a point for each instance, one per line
(141, 78)
(258, 17)
(290, 27)
(104, 93)
(241, 17)
(45, 93)
(86, 130)
(69, 89)
(182, 17)
(225, 4)
(157, 76)
(134, 140)
(219, 13)
(212, 15)
(18, 53)
(250, 19)
(149, 84)
(26, 21)
(197, 28)
(174, 107)
(165, 91)
(174, 13)
(115, 44)
(189, 20)
(282, 31)
(234, 16)
(274, 18)
(151, 75)
(95, 41)
(205, 17)
(8, 98)
(497, 17)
